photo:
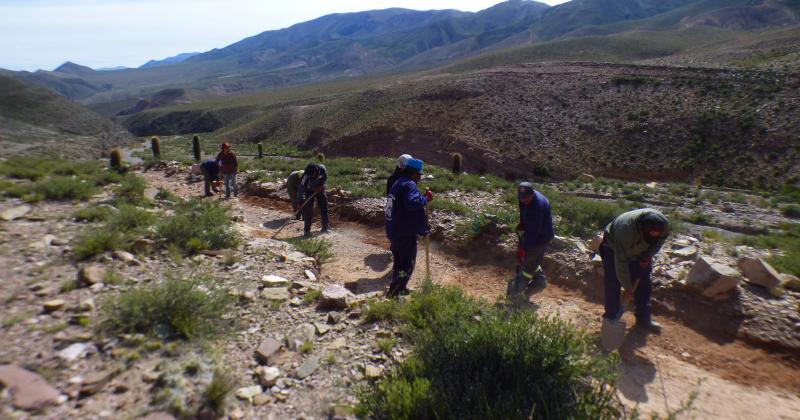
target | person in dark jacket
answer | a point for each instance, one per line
(398, 171)
(292, 187)
(536, 229)
(229, 166)
(629, 244)
(210, 169)
(405, 220)
(313, 183)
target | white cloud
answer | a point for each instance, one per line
(45, 33)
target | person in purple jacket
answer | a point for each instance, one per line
(536, 229)
(405, 220)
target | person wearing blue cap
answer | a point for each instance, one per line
(536, 231)
(398, 170)
(405, 220)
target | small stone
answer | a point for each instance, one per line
(334, 317)
(124, 256)
(266, 352)
(372, 372)
(248, 392)
(262, 399)
(95, 381)
(308, 367)
(355, 313)
(97, 287)
(267, 375)
(686, 355)
(53, 305)
(686, 252)
(338, 343)
(150, 377)
(301, 334)
(275, 281)
(91, 275)
(334, 297)
(275, 294)
(143, 246)
(15, 212)
(236, 414)
(296, 301)
(790, 282)
(86, 305)
(29, 391)
(595, 242)
(597, 261)
(321, 328)
(73, 352)
(310, 275)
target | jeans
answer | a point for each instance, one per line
(404, 253)
(641, 296)
(308, 211)
(230, 183)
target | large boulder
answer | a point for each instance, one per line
(713, 279)
(15, 212)
(29, 391)
(758, 271)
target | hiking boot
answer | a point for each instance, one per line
(324, 230)
(209, 195)
(307, 234)
(405, 292)
(649, 327)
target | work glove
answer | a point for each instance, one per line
(429, 194)
(319, 190)
(521, 255)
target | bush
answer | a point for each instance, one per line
(93, 214)
(317, 248)
(217, 391)
(382, 310)
(94, 241)
(64, 188)
(583, 217)
(473, 360)
(130, 190)
(175, 307)
(198, 225)
(791, 210)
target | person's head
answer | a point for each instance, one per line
(312, 170)
(414, 169)
(402, 160)
(525, 192)
(653, 226)
(225, 147)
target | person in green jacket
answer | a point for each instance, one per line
(292, 186)
(629, 244)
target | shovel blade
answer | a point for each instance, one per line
(612, 334)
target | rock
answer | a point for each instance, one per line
(236, 414)
(712, 279)
(15, 212)
(73, 352)
(262, 399)
(334, 297)
(95, 381)
(758, 271)
(308, 367)
(334, 317)
(355, 313)
(53, 305)
(321, 328)
(248, 392)
(338, 343)
(124, 256)
(267, 375)
(143, 246)
(300, 335)
(150, 377)
(275, 281)
(685, 252)
(790, 282)
(296, 301)
(158, 415)
(595, 242)
(29, 391)
(310, 275)
(97, 287)
(49, 240)
(150, 193)
(86, 305)
(597, 261)
(266, 352)
(275, 294)
(372, 372)
(91, 275)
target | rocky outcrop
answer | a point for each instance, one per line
(712, 279)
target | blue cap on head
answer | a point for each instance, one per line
(415, 164)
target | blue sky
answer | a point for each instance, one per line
(42, 34)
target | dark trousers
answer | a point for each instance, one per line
(308, 211)
(404, 252)
(641, 296)
(208, 179)
(530, 267)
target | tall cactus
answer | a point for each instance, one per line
(321, 157)
(196, 148)
(260, 150)
(115, 160)
(457, 163)
(155, 145)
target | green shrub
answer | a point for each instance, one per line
(321, 157)
(583, 217)
(473, 360)
(62, 187)
(131, 219)
(317, 248)
(198, 225)
(787, 241)
(93, 214)
(457, 163)
(260, 147)
(791, 210)
(155, 146)
(196, 152)
(185, 307)
(382, 310)
(699, 218)
(130, 190)
(115, 160)
(94, 241)
(216, 393)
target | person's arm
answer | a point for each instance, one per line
(623, 242)
(415, 201)
(235, 164)
(322, 177)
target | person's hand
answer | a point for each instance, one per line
(521, 255)
(429, 194)
(627, 296)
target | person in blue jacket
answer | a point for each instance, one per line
(405, 220)
(210, 169)
(536, 229)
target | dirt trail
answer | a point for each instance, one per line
(734, 381)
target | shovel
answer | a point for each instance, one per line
(294, 216)
(428, 247)
(612, 333)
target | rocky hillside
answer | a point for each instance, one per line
(735, 128)
(36, 118)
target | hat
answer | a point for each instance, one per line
(525, 188)
(415, 164)
(403, 160)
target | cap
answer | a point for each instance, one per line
(402, 160)
(525, 187)
(415, 164)
(653, 222)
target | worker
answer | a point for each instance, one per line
(312, 188)
(210, 170)
(292, 185)
(398, 170)
(535, 230)
(629, 244)
(229, 167)
(405, 219)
